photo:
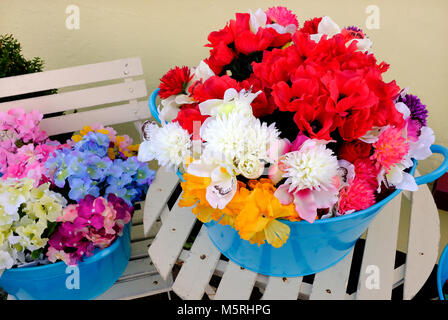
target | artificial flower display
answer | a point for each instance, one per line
(285, 121)
(64, 201)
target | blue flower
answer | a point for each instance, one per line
(94, 142)
(80, 187)
(144, 174)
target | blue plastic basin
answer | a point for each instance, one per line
(442, 272)
(57, 281)
(311, 247)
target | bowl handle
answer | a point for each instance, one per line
(152, 105)
(437, 173)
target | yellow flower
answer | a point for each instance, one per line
(257, 221)
(77, 137)
(85, 130)
(104, 131)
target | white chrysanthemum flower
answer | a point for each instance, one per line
(240, 141)
(313, 166)
(170, 145)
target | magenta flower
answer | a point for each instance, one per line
(92, 223)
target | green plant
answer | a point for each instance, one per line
(13, 63)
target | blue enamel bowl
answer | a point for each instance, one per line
(91, 278)
(442, 272)
(311, 247)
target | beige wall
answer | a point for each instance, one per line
(412, 36)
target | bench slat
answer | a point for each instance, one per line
(197, 270)
(172, 235)
(157, 196)
(423, 247)
(379, 253)
(79, 75)
(282, 288)
(81, 98)
(236, 284)
(331, 284)
(106, 116)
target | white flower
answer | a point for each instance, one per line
(420, 149)
(233, 101)
(6, 261)
(223, 185)
(239, 141)
(372, 136)
(313, 166)
(326, 27)
(169, 145)
(329, 28)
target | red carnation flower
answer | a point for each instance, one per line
(213, 88)
(310, 26)
(351, 151)
(174, 82)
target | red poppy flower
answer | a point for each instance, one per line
(213, 88)
(174, 82)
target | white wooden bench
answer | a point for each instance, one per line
(105, 93)
(203, 261)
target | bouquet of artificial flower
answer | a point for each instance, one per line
(61, 202)
(285, 122)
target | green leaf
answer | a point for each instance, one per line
(36, 253)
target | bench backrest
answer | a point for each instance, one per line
(114, 101)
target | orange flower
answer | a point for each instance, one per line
(258, 220)
(194, 192)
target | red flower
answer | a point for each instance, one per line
(277, 65)
(189, 118)
(237, 39)
(213, 88)
(174, 82)
(263, 104)
(357, 149)
(310, 26)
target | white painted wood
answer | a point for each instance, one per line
(279, 288)
(168, 243)
(137, 231)
(81, 98)
(236, 284)
(423, 243)
(139, 249)
(137, 217)
(379, 253)
(106, 116)
(197, 270)
(331, 284)
(137, 288)
(157, 196)
(79, 75)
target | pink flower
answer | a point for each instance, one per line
(359, 195)
(282, 16)
(390, 148)
(307, 201)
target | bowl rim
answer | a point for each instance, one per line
(86, 261)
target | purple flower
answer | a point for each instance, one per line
(416, 107)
